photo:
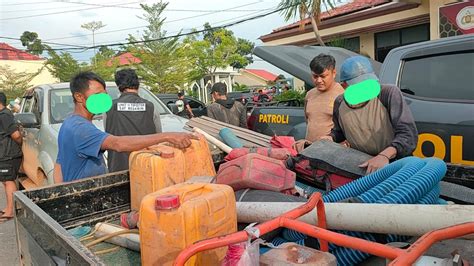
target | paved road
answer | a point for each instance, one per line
(8, 249)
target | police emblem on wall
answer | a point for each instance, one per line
(456, 19)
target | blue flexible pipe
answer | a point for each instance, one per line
(407, 181)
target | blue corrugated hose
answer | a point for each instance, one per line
(230, 138)
(407, 181)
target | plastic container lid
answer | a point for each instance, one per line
(167, 202)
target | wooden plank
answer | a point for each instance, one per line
(248, 137)
(233, 127)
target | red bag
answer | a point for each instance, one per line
(320, 176)
(257, 172)
(284, 142)
(275, 153)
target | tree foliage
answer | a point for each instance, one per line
(162, 66)
(305, 9)
(216, 48)
(63, 66)
(14, 83)
(103, 63)
(32, 43)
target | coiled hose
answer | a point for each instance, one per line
(407, 181)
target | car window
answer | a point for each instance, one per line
(194, 104)
(26, 105)
(159, 107)
(62, 103)
(447, 76)
(35, 108)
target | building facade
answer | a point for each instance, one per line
(22, 62)
(374, 27)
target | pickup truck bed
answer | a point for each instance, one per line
(44, 215)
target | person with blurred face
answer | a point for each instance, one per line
(319, 101)
(81, 144)
(372, 117)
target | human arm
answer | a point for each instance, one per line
(190, 111)
(405, 132)
(16, 137)
(133, 143)
(57, 174)
(337, 135)
(11, 128)
(243, 117)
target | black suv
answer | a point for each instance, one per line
(198, 107)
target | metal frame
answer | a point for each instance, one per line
(288, 220)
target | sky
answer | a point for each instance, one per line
(60, 21)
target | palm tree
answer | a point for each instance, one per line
(306, 9)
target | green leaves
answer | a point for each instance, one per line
(63, 65)
(216, 48)
(14, 83)
(32, 43)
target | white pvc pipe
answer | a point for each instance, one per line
(221, 145)
(402, 219)
(130, 241)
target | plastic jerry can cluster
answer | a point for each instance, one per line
(257, 172)
(161, 166)
(293, 254)
(175, 217)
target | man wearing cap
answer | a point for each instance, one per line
(184, 109)
(372, 118)
(226, 110)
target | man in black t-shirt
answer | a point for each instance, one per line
(184, 109)
(10, 156)
(130, 115)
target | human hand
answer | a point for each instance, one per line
(375, 163)
(181, 140)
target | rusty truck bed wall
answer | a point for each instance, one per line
(43, 216)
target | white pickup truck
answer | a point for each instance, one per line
(43, 110)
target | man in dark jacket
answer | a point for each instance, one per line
(226, 110)
(10, 156)
(372, 118)
(130, 115)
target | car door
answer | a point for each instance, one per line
(439, 90)
(31, 136)
(198, 108)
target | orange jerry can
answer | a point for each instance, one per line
(175, 217)
(161, 166)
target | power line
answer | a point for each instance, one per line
(166, 10)
(28, 3)
(59, 12)
(53, 43)
(189, 29)
(144, 26)
(117, 5)
(180, 34)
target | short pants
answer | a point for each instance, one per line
(9, 169)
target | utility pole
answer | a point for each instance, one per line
(93, 26)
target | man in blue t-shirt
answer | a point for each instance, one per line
(81, 145)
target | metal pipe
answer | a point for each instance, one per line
(213, 140)
(424, 243)
(403, 219)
